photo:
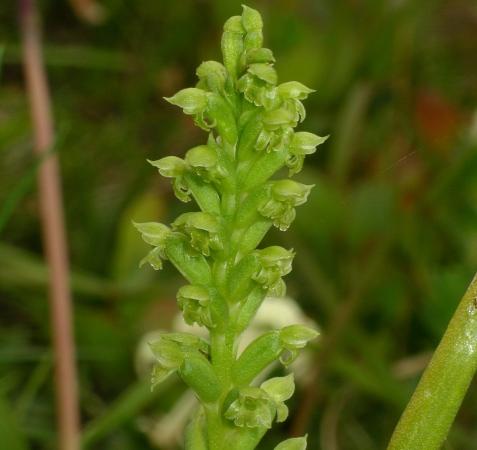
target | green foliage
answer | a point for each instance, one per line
(250, 119)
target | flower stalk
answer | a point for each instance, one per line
(429, 415)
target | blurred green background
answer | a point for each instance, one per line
(385, 247)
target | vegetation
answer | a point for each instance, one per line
(385, 245)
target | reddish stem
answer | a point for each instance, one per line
(53, 229)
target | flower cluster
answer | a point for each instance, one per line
(250, 118)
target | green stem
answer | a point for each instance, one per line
(428, 417)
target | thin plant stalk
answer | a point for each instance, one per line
(428, 417)
(53, 229)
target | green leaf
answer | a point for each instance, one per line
(11, 436)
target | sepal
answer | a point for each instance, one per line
(153, 233)
(192, 100)
(293, 444)
(294, 90)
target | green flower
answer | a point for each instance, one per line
(302, 144)
(284, 196)
(280, 389)
(203, 161)
(275, 262)
(293, 339)
(202, 229)
(258, 85)
(175, 168)
(194, 301)
(169, 358)
(252, 409)
(154, 234)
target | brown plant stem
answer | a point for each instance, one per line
(53, 230)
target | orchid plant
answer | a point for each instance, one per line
(250, 119)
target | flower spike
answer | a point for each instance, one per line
(250, 117)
